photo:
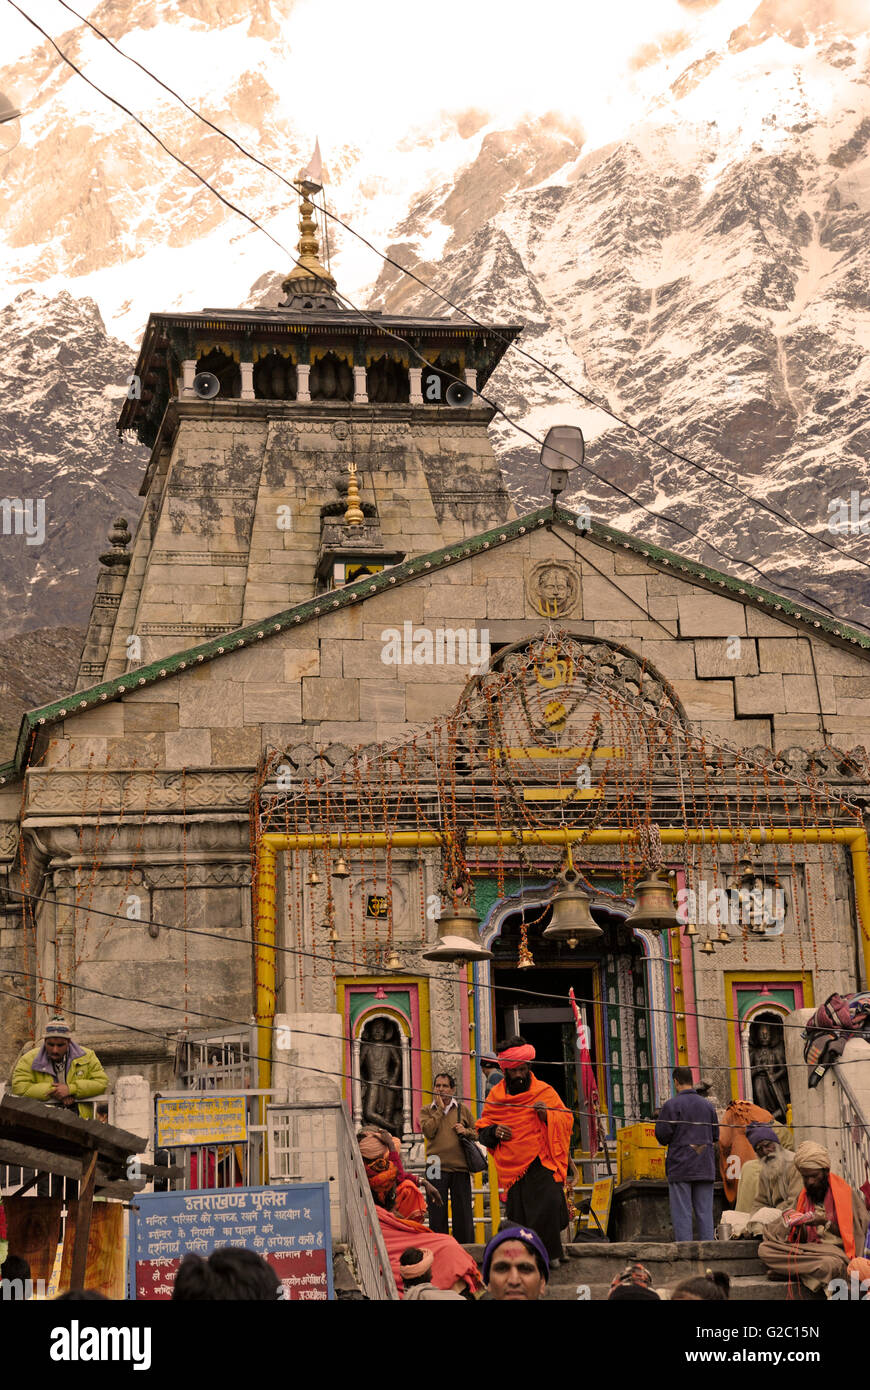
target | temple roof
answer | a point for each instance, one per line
(169, 338)
(799, 615)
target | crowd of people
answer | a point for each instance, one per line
(813, 1226)
(812, 1223)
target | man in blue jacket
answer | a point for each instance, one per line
(689, 1127)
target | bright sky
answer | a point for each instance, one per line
(390, 68)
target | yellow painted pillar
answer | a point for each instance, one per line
(264, 957)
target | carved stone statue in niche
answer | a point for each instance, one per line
(767, 1066)
(380, 1067)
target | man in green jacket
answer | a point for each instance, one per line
(60, 1072)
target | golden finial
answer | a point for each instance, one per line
(309, 267)
(354, 514)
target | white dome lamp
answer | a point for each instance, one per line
(10, 125)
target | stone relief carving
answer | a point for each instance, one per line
(232, 875)
(76, 792)
(553, 588)
(8, 841)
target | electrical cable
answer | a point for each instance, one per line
(320, 956)
(603, 1063)
(347, 1076)
(381, 328)
(605, 409)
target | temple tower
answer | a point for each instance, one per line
(246, 490)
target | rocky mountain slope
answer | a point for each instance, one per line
(62, 381)
(35, 667)
(709, 282)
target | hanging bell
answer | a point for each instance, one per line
(691, 930)
(332, 934)
(654, 905)
(571, 920)
(748, 873)
(526, 960)
(722, 935)
(392, 961)
(458, 937)
(314, 878)
(707, 948)
(341, 870)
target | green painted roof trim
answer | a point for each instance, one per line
(323, 604)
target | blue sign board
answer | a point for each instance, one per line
(287, 1225)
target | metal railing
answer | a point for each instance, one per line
(313, 1141)
(855, 1134)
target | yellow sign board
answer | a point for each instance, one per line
(599, 1206)
(201, 1120)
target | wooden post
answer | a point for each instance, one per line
(83, 1221)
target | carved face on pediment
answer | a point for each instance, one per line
(553, 588)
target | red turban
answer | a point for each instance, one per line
(516, 1056)
(383, 1179)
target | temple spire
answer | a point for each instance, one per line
(309, 284)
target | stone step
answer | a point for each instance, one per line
(667, 1261)
(743, 1290)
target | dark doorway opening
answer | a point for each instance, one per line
(548, 1023)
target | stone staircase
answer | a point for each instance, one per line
(594, 1265)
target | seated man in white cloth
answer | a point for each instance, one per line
(775, 1184)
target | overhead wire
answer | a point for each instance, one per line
(445, 299)
(812, 601)
(318, 957)
(347, 1076)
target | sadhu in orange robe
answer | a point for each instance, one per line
(533, 1163)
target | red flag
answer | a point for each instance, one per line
(587, 1073)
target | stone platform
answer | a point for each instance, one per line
(594, 1265)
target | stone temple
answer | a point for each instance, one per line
(335, 691)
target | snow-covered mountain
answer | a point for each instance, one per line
(695, 255)
(62, 384)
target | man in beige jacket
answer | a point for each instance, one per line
(442, 1123)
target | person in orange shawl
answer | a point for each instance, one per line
(816, 1242)
(384, 1170)
(528, 1128)
(452, 1267)
(735, 1150)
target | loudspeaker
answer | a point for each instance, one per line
(459, 394)
(206, 385)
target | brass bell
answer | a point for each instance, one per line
(526, 960)
(691, 930)
(314, 878)
(332, 934)
(571, 920)
(748, 873)
(707, 948)
(654, 904)
(458, 938)
(722, 935)
(393, 962)
(341, 870)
